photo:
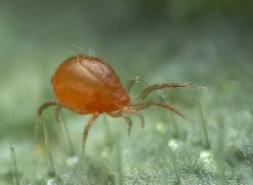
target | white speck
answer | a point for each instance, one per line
(71, 161)
(174, 144)
(104, 154)
(51, 182)
(160, 128)
(205, 156)
(206, 159)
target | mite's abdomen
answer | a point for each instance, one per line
(81, 89)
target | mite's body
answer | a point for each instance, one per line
(88, 85)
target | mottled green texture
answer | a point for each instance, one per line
(203, 42)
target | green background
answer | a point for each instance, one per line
(205, 42)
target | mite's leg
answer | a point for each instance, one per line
(57, 115)
(86, 131)
(142, 120)
(46, 105)
(147, 104)
(134, 80)
(60, 122)
(41, 109)
(129, 122)
(154, 87)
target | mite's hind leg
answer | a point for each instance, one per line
(147, 104)
(86, 131)
(130, 123)
(40, 111)
(134, 80)
(145, 92)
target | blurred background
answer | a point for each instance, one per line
(208, 42)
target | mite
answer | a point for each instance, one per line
(88, 85)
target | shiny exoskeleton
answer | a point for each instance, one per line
(88, 85)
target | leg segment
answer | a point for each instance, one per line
(129, 122)
(57, 115)
(154, 87)
(41, 109)
(46, 105)
(60, 122)
(147, 104)
(86, 131)
(142, 121)
(134, 80)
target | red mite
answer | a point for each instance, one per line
(88, 85)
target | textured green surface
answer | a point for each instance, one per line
(168, 41)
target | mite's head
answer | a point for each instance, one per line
(124, 111)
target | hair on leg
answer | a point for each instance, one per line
(155, 87)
